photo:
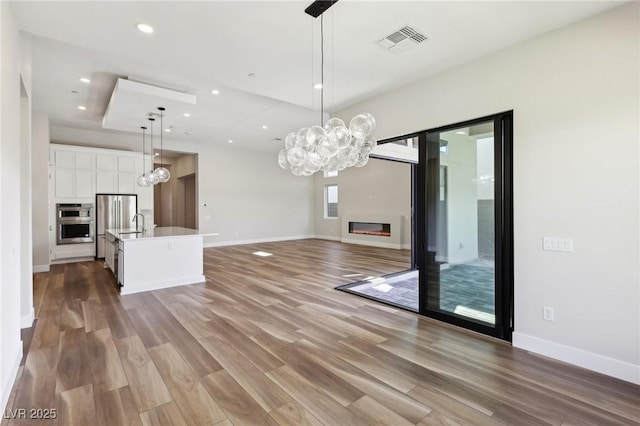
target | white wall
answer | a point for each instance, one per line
(382, 187)
(248, 197)
(26, 245)
(462, 194)
(575, 96)
(40, 184)
(14, 58)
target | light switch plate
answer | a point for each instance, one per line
(557, 244)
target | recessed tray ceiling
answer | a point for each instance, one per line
(131, 102)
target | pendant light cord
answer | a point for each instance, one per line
(322, 70)
(144, 146)
(151, 120)
(161, 130)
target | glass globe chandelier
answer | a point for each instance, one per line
(330, 146)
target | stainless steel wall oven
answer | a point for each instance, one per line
(74, 223)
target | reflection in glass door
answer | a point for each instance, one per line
(463, 227)
(466, 262)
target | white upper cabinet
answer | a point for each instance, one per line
(127, 183)
(82, 172)
(64, 182)
(85, 160)
(127, 164)
(73, 175)
(106, 162)
(64, 159)
(84, 183)
(106, 182)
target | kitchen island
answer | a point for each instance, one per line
(157, 258)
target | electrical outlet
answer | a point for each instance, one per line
(547, 313)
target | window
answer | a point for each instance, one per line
(330, 173)
(331, 201)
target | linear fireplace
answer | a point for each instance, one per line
(369, 228)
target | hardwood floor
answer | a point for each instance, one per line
(267, 340)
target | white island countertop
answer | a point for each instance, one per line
(129, 234)
(159, 258)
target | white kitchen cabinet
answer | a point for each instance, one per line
(64, 159)
(126, 183)
(64, 182)
(106, 182)
(85, 161)
(106, 162)
(109, 254)
(70, 183)
(84, 187)
(126, 164)
(77, 173)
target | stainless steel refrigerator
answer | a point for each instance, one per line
(114, 211)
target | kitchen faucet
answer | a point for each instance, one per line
(134, 219)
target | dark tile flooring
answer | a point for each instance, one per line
(465, 289)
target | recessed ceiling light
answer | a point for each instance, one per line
(265, 127)
(85, 80)
(167, 130)
(230, 140)
(82, 107)
(317, 86)
(186, 114)
(460, 133)
(145, 28)
(215, 92)
(157, 154)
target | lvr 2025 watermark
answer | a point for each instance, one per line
(31, 413)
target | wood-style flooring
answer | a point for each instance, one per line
(268, 341)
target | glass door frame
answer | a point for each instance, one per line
(426, 179)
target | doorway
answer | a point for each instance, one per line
(399, 286)
(465, 246)
(189, 191)
(175, 201)
(462, 228)
(163, 202)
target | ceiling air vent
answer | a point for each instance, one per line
(402, 40)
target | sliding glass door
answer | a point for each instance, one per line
(464, 225)
(461, 227)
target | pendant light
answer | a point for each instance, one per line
(151, 175)
(162, 174)
(142, 179)
(329, 146)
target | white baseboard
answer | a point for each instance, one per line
(599, 363)
(41, 268)
(5, 388)
(256, 241)
(157, 285)
(372, 243)
(327, 237)
(304, 237)
(71, 260)
(26, 321)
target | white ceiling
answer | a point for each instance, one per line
(205, 45)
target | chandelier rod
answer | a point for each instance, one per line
(322, 70)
